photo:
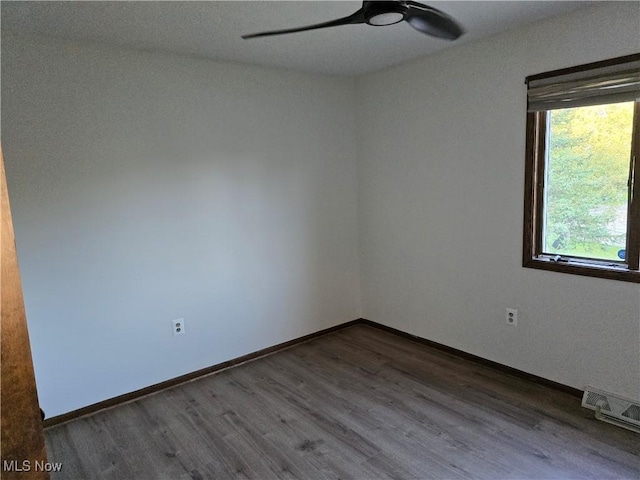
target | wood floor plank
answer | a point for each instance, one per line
(359, 403)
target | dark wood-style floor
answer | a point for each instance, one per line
(359, 403)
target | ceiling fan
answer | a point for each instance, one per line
(423, 18)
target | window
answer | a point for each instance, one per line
(582, 181)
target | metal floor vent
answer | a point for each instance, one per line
(612, 408)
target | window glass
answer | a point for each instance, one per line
(586, 181)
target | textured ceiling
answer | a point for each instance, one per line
(212, 29)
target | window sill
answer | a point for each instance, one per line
(590, 270)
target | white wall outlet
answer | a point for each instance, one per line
(178, 326)
(512, 317)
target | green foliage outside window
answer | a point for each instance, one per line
(586, 185)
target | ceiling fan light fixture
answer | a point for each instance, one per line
(388, 18)
(380, 14)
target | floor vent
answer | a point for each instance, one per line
(613, 409)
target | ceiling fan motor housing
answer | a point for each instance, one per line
(384, 13)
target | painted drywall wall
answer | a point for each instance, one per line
(441, 173)
(149, 187)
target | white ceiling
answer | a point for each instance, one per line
(212, 29)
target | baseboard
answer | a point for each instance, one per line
(474, 358)
(132, 396)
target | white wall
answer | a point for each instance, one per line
(147, 188)
(441, 172)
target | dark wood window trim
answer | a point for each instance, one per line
(532, 256)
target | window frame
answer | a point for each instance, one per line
(535, 163)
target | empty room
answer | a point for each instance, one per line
(320, 240)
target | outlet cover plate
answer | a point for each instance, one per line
(178, 326)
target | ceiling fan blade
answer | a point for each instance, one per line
(354, 18)
(432, 21)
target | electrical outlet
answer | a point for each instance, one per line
(178, 326)
(512, 317)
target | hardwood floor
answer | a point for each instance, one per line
(359, 403)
